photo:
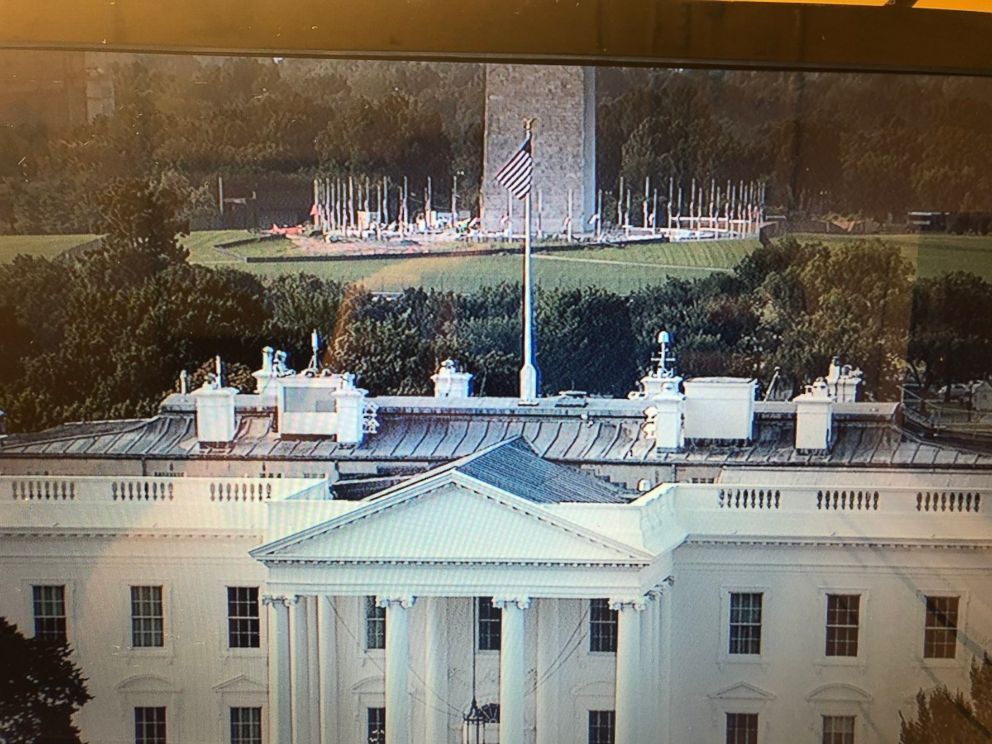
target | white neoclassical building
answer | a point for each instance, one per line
(307, 564)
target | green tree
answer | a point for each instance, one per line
(852, 300)
(585, 342)
(945, 717)
(950, 340)
(141, 227)
(40, 690)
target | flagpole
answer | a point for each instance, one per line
(528, 372)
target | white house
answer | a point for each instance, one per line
(688, 565)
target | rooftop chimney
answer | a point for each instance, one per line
(843, 381)
(451, 382)
(215, 420)
(350, 404)
(665, 415)
(265, 377)
(814, 417)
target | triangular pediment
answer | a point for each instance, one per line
(242, 683)
(450, 518)
(742, 691)
(146, 683)
(839, 692)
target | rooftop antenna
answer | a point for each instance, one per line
(315, 348)
(664, 360)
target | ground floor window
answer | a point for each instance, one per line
(838, 729)
(602, 726)
(377, 726)
(149, 725)
(742, 728)
(246, 726)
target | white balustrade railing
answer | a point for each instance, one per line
(805, 512)
(144, 490)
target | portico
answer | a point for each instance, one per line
(423, 548)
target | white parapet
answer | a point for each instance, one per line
(719, 408)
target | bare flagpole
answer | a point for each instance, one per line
(528, 372)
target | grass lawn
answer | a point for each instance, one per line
(933, 255)
(42, 246)
(467, 273)
(616, 268)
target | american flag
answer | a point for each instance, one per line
(516, 176)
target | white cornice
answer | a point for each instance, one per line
(837, 542)
(450, 562)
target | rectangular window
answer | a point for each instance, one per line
(602, 726)
(246, 726)
(149, 726)
(602, 626)
(940, 633)
(745, 623)
(376, 726)
(843, 616)
(490, 624)
(49, 613)
(838, 729)
(147, 620)
(242, 617)
(375, 625)
(742, 728)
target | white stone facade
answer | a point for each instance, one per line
(669, 562)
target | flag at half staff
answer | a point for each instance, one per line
(518, 173)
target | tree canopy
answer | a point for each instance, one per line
(945, 717)
(40, 689)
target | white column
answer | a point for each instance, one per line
(302, 698)
(280, 728)
(650, 689)
(548, 707)
(436, 671)
(628, 724)
(665, 616)
(313, 669)
(512, 669)
(397, 668)
(327, 670)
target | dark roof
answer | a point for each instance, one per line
(562, 435)
(513, 466)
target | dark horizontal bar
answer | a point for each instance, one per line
(662, 32)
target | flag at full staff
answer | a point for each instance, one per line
(518, 173)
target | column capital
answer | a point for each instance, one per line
(277, 600)
(659, 589)
(406, 601)
(637, 603)
(520, 602)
